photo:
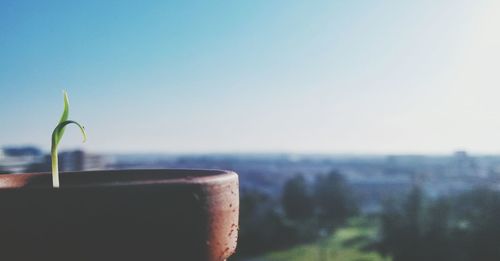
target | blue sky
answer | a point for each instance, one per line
(253, 76)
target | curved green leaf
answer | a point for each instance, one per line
(61, 126)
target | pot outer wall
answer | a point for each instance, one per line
(120, 215)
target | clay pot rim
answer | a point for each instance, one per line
(118, 178)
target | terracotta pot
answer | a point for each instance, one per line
(120, 215)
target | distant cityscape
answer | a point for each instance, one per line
(373, 178)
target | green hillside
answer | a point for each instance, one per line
(348, 243)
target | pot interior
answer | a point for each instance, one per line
(114, 178)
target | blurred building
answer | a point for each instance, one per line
(463, 165)
(79, 160)
(22, 151)
(16, 159)
(32, 159)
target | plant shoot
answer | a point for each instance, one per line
(57, 135)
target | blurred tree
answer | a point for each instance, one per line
(297, 200)
(251, 238)
(436, 234)
(460, 228)
(401, 227)
(333, 199)
(390, 220)
(268, 225)
(477, 228)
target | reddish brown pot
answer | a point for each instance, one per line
(120, 215)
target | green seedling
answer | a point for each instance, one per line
(57, 135)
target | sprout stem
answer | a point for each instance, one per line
(55, 168)
(56, 138)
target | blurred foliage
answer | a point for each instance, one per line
(305, 212)
(297, 199)
(316, 219)
(462, 227)
(333, 200)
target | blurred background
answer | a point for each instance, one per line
(361, 130)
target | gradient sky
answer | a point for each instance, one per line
(253, 76)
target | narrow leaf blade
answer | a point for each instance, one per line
(64, 117)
